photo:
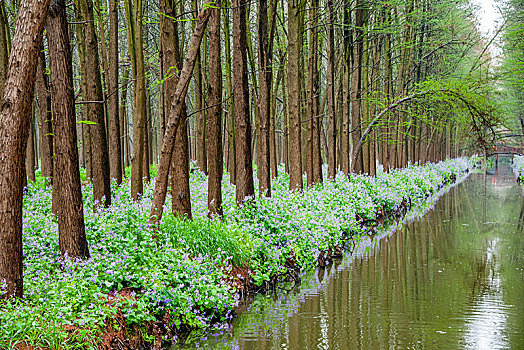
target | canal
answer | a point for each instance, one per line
(452, 279)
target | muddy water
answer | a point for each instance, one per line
(452, 279)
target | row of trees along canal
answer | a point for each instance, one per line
(110, 84)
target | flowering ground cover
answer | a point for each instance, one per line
(145, 286)
(518, 167)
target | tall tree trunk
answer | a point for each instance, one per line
(356, 87)
(264, 77)
(201, 149)
(332, 135)
(95, 109)
(45, 127)
(124, 121)
(180, 194)
(244, 161)
(346, 95)
(231, 103)
(66, 181)
(312, 67)
(15, 113)
(214, 151)
(294, 51)
(175, 114)
(134, 14)
(115, 142)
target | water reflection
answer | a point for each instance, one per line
(453, 279)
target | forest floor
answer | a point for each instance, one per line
(143, 287)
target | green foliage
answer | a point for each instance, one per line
(202, 236)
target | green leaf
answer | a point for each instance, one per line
(88, 122)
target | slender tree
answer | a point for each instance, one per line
(264, 78)
(214, 151)
(244, 161)
(115, 142)
(295, 127)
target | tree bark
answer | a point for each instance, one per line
(115, 142)
(134, 14)
(214, 151)
(201, 149)
(264, 78)
(356, 86)
(332, 134)
(66, 184)
(244, 161)
(15, 113)
(295, 139)
(45, 126)
(231, 103)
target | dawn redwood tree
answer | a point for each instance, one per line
(244, 161)
(134, 16)
(264, 78)
(295, 127)
(332, 135)
(356, 85)
(115, 142)
(93, 97)
(200, 116)
(172, 63)
(214, 150)
(17, 102)
(66, 181)
(175, 113)
(45, 125)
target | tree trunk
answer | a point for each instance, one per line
(124, 122)
(134, 14)
(180, 194)
(295, 140)
(45, 127)
(231, 103)
(115, 142)
(201, 149)
(175, 114)
(95, 108)
(346, 95)
(66, 182)
(332, 135)
(214, 151)
(356, 86)
(244, 161)
(15, 113)
(264, 77)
